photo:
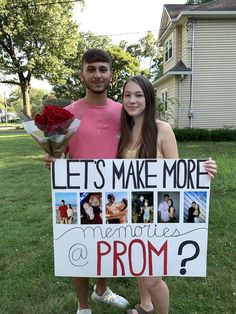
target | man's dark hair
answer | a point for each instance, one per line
(109, 196)
(63, 201)
(96, 55)
(166, 195)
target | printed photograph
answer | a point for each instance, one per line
(66, 208)
(116, 208)
(142, 207)
(90, 208)
(195, 207)
(168, 207)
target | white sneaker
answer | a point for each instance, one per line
(84, 311)
(110, 298)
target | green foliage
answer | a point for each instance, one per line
(162, 113)
(194, 134)
(15, 100)
(35, 40)
(123, 66)
(147, 49)
(2, 105)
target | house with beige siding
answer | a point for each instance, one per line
(198, 85)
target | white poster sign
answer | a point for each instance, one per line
(116, 217)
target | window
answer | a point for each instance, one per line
(168, 49)
(164, 100)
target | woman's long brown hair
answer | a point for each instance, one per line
(148, 141)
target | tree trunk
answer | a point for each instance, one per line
(25, 89)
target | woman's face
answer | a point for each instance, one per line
(133, 99)
(89, 210)
(121, 205)
(94, 200)
(169, 202)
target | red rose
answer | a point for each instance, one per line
(53, 120)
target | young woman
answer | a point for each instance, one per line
(171, 211)
(90, 210)
(146, 209)
(116, 212)
(69, 214)
(144, 136)
(196, 213)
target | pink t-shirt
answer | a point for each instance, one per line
(99, 131)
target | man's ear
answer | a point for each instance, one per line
(81, 76)
(111, 77)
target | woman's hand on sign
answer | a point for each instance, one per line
(210, 167)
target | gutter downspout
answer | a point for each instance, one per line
(191, 114)
(180, 98)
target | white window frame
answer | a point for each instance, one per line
(168, 49)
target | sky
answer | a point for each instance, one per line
(120, 19)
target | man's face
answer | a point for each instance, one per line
(141, 198)
(112, 199)
(166, 198)
(96, 76)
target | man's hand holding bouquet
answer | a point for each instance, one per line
(52, 130)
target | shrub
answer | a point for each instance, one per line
(215, 135)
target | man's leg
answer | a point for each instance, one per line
(103, 294)
(81, 286)
(101, 286)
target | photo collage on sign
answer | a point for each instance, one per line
(139, 207)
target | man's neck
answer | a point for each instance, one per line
(96, 99)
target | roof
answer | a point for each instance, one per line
(174, 10)
(180, 67)
(215, 5)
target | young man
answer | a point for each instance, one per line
(97, 137)
(63, 212)
(191, 211)
(163, 214)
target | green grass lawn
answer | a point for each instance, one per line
(27, 281)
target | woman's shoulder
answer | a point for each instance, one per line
(163, 126)
(164, 130)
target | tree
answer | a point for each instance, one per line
(2, 106)
(146, 49)
(37, 96)
(149, 48)
(157, 65)
(123, 66)
(35, 40)
(197, 1)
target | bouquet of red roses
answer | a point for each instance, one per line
(52, 129)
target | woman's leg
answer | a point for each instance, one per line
(145, 297)
(159, 293)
